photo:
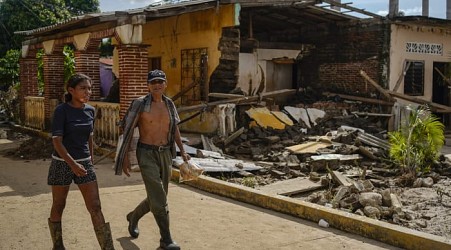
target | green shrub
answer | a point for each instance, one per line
(416, 145)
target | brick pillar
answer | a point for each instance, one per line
(87, 62)
(28, 80)
(133, 71)
(53, 83)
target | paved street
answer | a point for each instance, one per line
(199, 220)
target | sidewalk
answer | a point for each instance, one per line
(199, 220)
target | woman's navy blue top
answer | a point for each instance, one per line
(75, 125)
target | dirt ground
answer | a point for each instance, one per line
(426, 209)
(199, 220)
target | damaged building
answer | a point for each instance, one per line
(245, 52)
(279, 81)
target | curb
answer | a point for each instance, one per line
(378, 230)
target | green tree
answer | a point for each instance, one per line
(20, 15)
(69, 62)
(9, 69)
(9, 83)
(81, 7)
(106, 48)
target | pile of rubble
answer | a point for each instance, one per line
(341, 162)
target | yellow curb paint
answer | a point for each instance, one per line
(381, 231)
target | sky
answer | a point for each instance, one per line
(437, 8)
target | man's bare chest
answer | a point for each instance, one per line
(158, 115)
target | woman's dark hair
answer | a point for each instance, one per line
(73, 81)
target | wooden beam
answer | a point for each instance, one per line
(377, 86)
(401, 77)
(224, 95)
(346, 6)
(256, 3)
(233, 136)
(371, 114)
(361, 99)
(183, 91)
(439, 108)
(247, 99)
(446, 79)
(275, 45)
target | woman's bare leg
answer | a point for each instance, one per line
(90, 192)
(59, 194)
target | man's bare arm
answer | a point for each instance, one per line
(178, 140)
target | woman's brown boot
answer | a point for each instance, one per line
(56, 232)
(103, 234)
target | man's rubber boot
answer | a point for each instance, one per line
(166, 241)
(56, 232)
(103, 234)
(134, 216)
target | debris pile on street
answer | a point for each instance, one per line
(338, 159)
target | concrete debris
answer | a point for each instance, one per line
(220, 165)
(370, 199)
(326, 154)
(292, 186)
(264, 118)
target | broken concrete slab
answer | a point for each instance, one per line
(339, 157)
(264, 118)
(200, 153)
(291, 186)
(341, 179)
(370, 199)
(395, 203)
(339, 195)
(315, 114)
(283, 117)
(298, 114)
(220, 165)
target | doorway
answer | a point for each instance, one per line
(441, 89)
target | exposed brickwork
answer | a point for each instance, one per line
(87, 62)
(225, 77)
(345, 77)
(54, 82)
(28, 80)
(337, 58)
(133, 71)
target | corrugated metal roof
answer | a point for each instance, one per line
(155, 7)
(160, 10)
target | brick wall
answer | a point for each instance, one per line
(87, 62)
(28, 80)
(225, 76)
(53, 82)
(133, 71)
(345, 77)
(338, 56)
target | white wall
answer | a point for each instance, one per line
(403, 34)
(277, 76)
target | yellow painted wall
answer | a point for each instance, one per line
(169, 36)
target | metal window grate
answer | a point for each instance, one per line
(193, 72)
(414, 79)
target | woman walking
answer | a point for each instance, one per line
(72, 136)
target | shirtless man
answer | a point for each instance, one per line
(156, 118)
